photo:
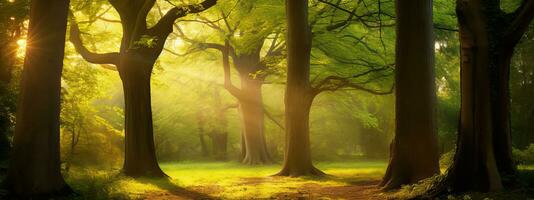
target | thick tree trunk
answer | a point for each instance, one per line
(298, 160)
(483, 160)
(252, 116)
(34, 170)
(299, 98)
(474, 166)
(502, 137)
(140, 155)
(414, 151)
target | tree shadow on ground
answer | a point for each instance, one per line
(330, 187)
(171, 190)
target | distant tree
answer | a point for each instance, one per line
(140, 48)
(414, 151)
(34, 170)
(245, 29)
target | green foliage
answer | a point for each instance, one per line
(87, 138)
(146, 41)
(525, 156)
(521, 87)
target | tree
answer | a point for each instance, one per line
(414, 151)
(140, 48)
(297, 159)
(34, 169)
(488, 36)
(244, 36)
(300, 91)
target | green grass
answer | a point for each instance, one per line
(225, 180)
(231, 180)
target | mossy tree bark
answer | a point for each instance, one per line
(140, 48)
(34, 170)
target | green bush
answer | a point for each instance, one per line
(524, 157)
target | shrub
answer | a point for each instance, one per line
(524, 157)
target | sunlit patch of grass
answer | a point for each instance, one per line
(525, 167)
(226, 180)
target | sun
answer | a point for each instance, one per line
(21, 43)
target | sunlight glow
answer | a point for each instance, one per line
(21, 43)
(178, 43)
(438, 45)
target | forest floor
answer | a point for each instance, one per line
(193, 180)
(230, 180)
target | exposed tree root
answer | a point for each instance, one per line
(301, 171)
(155, 173)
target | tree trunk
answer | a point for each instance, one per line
(483, 160)
(414, 151)
(298, 160)
(298, 97)
(502, 137)
(140, 155)
(474, 166)
(220, 141)
(252, 116)
(34, 170)
(201, 133)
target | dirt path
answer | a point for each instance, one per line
(364, 191)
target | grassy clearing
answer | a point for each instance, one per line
(218, 180)
(229, 180)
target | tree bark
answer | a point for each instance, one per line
(483, 159)
(140, 154)
(201, 133)
(414, 153)
(34, 170)
(252, 116)
(220, 145)
(253, 144)
(299, 95)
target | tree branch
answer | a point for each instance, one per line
(95, 58)
(164, 25)
(271, 117)
(333, 83)
(234, 91)
(521, 19)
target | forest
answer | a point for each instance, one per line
(266, 99)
